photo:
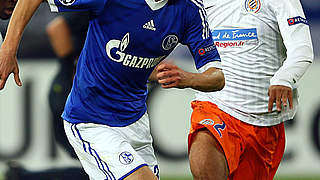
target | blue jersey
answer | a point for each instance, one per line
(126, 39)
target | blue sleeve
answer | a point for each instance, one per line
(198, 36)
(94, 6)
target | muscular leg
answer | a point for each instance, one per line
(143, 173)
(207, 160)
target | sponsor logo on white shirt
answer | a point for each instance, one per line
(233, 37)
(297, 20)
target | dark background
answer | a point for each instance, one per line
(35, 44)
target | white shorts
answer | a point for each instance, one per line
(113, 153)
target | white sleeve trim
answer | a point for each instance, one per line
(216, 64)
(53, 6)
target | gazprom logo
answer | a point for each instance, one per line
(115, 50)
(234, 34)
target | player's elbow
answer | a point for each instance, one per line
(220, 81)
(217, 82)
(306, 53)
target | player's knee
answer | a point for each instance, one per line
(199, 173)
(143, 173)
(53, 27)
(198, 168)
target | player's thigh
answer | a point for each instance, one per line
(207, 160)
(142, 142)
(147, 154)
(265, 150)
(143, 173)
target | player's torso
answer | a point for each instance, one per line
(143, 29)
(124, 44)
(136, 39)
(248, 39)
(246, 26)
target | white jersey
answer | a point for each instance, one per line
(260, 42)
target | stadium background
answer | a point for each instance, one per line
(26, 135)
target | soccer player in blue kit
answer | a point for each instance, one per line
(105, 115)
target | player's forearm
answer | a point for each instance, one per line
(296, 37)
(208, 81)
(296, 64)
(20, 17)
(290, 75)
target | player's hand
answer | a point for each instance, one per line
(171, 76)
(8, 65)
(280, 95)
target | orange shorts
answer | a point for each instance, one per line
(252, 152)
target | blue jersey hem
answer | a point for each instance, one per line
(117, 123)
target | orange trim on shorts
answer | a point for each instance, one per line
(252, 152)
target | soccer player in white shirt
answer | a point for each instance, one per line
(265, 47)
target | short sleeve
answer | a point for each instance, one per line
(76, 5)
(198, 36)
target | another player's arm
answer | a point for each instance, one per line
(171, 76)
(197, 37)
(8, 61)
(297, 39)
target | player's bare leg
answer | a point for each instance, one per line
(207, 160)
(143, 173)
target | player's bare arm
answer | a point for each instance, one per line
(8, 61)
(171, 76)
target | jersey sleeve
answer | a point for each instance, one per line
(76, 5)
(294, 29)
(198, 37)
